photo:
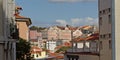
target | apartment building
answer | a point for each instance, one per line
(7, 30)
(105, 29)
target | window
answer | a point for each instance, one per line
(110, 44)
(37, 55)
(109, 9)
(109, 35)
(104, 36)
(100, 21)
(32, 55)
(101, 36)
(100, 12)
(101, 46)
(103, 11)
(109, 18)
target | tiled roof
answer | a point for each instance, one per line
(94, 36)
(35, 49)
(67, 44)
(86, 27)
(17, 16)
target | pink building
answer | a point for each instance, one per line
(35, 38)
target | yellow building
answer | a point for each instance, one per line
(37, 53)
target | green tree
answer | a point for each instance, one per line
(62, 49)
(33, 28)
(23, 49)
(37, 28)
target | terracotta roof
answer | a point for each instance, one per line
(79, 39)
(35, 49)
(94, 36)
(67, 44)
(86, 27)
(17, 16)
(23, 19)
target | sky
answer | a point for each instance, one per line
(46, 13)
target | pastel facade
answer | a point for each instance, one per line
(37, 53)
(53, 33)
(35, 38)
(23, 24)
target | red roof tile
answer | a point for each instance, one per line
(35, 49)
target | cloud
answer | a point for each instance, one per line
(89, 18)
(72, 0)
(61, 22)
(75, 21)
(78, 21)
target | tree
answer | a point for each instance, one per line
(62, 49)
(23, 49)
(37, 28)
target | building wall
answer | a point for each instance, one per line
(1, 19)
(116, 29)
(51, 45)
(7, 45)
(81, 57)
(52, 35)
(105, 29)
(65, 34)
(23, 30)
(89, 57)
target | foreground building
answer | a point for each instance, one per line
(105, 24)
(8, 31)
(109, 15)
(115, 29)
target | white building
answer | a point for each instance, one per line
(84, 48)
(7, 30)
(51, 44)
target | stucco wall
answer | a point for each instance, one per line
(88, 57)
(1, 19)
(23, 30)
